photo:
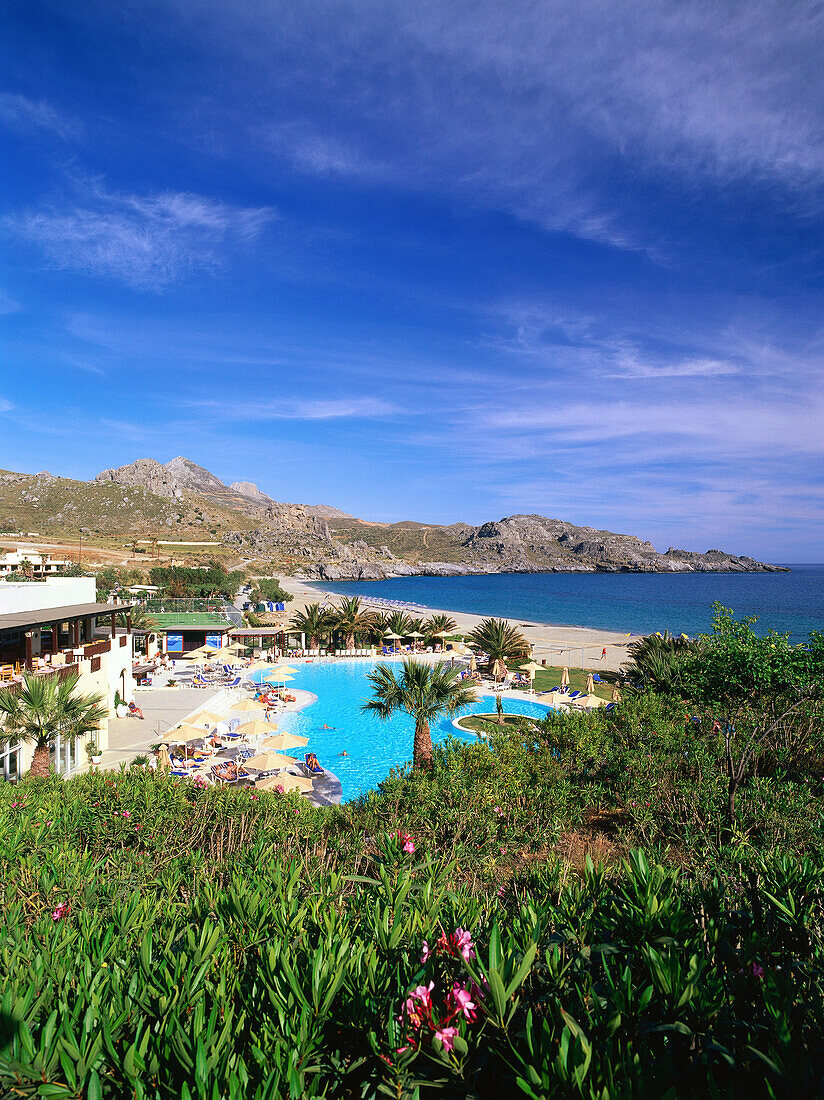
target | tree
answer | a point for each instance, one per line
(45, 707)
(425, 692)
(139, 615)
(655, 663)
(313, 621)
(348, 617)
(268, 588)
(500, 641)
(398, 622)
(439, 624)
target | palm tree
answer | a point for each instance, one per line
(655, 662)
(398, 622)
(500, 640)
(45, 707)
(139, 616)
(439, 624)
(349, 619)
(313, 621)
(425, 692)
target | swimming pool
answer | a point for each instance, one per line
(373, 747)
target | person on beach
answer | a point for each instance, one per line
(604, 653)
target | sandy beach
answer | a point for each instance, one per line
(576, 646)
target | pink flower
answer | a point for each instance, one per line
(460, 999)
(49, 823)
(498, 811)
(425, 952)
(476, 992)
(279, 789)
(126, 813)
(447, 1037)
(62, 911)
(408, 845)
(463, 942)
(758, 971)
(254, 797)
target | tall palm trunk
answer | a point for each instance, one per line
(422, 746)
(350, 641)
(41, 763)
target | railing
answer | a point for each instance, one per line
(95, 649)
(59, 672)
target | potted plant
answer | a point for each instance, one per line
(93, 752)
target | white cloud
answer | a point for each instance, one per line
(301, 409)
(537, 107)
(145, 241)
(19, 111)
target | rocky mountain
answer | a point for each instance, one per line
(183, 503)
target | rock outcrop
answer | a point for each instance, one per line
(307, 539)
(145, 473)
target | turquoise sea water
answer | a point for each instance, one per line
(373, 747)
(626, 602)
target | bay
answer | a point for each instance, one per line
(637, 603)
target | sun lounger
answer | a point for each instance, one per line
(577, 694)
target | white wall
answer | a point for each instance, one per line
(43, 595)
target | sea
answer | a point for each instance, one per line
(628, 603)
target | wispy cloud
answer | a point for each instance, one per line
(346, 408)
(24, 113)
(145, 241)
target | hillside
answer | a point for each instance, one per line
(180, 502)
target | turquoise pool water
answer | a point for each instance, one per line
(374, 747)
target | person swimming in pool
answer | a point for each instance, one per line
(325, 727)
(344, 753)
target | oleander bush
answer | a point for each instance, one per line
(162, 941)
(592, 905)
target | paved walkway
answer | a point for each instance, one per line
(162, 708)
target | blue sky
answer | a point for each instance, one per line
(426, 260)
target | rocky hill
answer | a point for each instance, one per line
(183, 502)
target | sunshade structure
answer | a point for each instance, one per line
(392, 637)
(281, 741)
(565, 678)
(256, 728)
(236, 646)
(416, 634)
(589, 702)
(473, 663)
(286, 783)
(269, 761)
(187, 733)
(531, 667)
(277, 678)
(260, 666)
(499, 669)
(616, 695)
(207, 719)
(285, 670)
(249, 706)
(204, 651)
(590, 685)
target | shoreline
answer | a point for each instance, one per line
(557, 644)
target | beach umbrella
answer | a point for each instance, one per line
(473, 663)
(186, 732)
(260, 666)
(416, 634)
(616, 695)
(499, 669)
(286, 783)
(163, 758)
(589, 702)
(275, 678)
(281, 741)
(531, 667)
(269, 761)
(565, 677)
(236, 646)
(285, 670)
(256, 728)
(590, 685)
(206, 718)
(249, 706)
(392, 636)
(442, 634)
